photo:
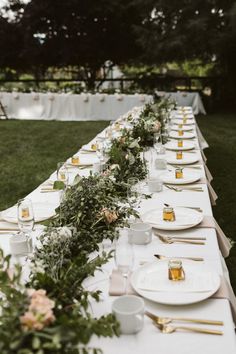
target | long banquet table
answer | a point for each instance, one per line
(150, 339)
(67, 106)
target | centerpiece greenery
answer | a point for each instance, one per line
(50, 313)
(125, 159)
(38, 321)
(152, 120)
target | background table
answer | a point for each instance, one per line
(66, 106)
(192, 99)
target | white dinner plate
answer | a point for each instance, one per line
(180, 121)
(185, 219)
(42, 211)
(186, 108)
(151, 282)
(186, 135)
(187, 115)
(173, 145)
(188, 177)
(88, 148)
(185, 128)
(187, 159)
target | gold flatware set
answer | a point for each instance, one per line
(181, 189)
(161, 257)
(163, 323)
(181, 239)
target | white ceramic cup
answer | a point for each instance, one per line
(97, 167)
(20, 245)
(129, 312)
(160, 164)
(155, 185)
(140, 233)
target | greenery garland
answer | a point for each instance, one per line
(50, 314)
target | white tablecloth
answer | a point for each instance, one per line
(192, 99)
(67, 106)
(150, 340)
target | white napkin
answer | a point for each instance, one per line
(182, 219)
(194, 282)
(42, 211)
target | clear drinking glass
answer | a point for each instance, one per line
(25, 218)
(124, 256)
(100, 150)
(62, 173)
(25, 215)
(134, 191)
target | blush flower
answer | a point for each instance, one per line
(39, 313)
(109, 215)
(156, 127)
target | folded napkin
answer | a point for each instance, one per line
(212, 194)
(195, 282)
(224, 242)
(117, 284)
(203, 156)
(117, 288)
(7, 226)
(208, 173)
(202, 141)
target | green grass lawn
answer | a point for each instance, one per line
(30, 150)
(220, 133)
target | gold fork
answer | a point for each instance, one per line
(192, 166)
(197, 259)
(170, 329)
(169, 240)
(178, 189)
(166, 320)
(180, 237)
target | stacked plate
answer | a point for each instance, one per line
(42, 211)
(180, 121)
(187, 159)
(185, 219)
(187, 115)
(151, 281)
(185, 128)
(88, 148)
(188, 177)
(173, 145)
(186, 135)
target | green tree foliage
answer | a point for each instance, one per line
(189, 30)
(85, 33)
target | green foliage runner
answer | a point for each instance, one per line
(50, 313)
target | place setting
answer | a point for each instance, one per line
(180, 176)
(181, 158)
(180, 134)
(172, 219)
(170, 281)
(184, 122)
(180, 145)
(185, 128)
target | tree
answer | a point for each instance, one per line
(192, 29)
(84, 33)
